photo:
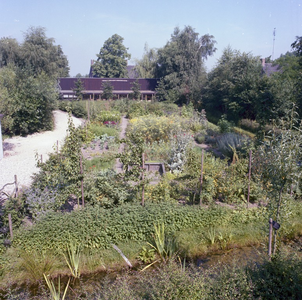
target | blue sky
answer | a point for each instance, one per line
(81, 27)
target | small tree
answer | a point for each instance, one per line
(107, 90)
(136, 90)
(78, 89)
(279, 157)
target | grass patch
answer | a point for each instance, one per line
(106, 161)
(244, 132)
(99, 130)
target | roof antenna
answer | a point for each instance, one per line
(274, 33)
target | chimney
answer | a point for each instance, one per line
(262, 62)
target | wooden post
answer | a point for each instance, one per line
(270, 237)
(82, 184)
(41, 158)
(249, 181)
(10, 224)
(16, 187)
(143, 178)
(201, 176)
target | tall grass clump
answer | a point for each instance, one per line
(231, 143)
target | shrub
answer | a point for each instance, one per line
(113, 116)
(224, 125)
(40, 202)
(137, 109)
(177, 156)
(231, 142)
(152, 128)
(78, 110)
(200, 138)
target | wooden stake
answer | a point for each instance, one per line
(10, 224)
(16, 187)
(143, 178)
(82, 184)
(249, 180)
(201, 177)
(270, 237)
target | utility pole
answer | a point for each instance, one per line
(274, 34)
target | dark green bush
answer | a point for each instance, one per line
(225, 125)
(200, 138)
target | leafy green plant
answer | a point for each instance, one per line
(224, 125)
(211, 235)
(147, 255)
(56, 294)
(73, 258)
(278, 159)
(164, 245)
(104, 116)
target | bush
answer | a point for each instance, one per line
(77, 108)
(104, 116)
(180, 142)
(231, 142)
(200, 138)
(153, 128)
(224, 125)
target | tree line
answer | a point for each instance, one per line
(237, 87)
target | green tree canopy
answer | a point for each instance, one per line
(9, 52)
(37, 54)
(40, 54)
(26, 101)
(28, 81)
(112, 59)
(180, 65)
(146, 67)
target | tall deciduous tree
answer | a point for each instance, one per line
(112, 59)
(40, 54)
(233, 85)
(297, 47)
(146, 67)
(238, 87)
(9, 52)
(180, 65)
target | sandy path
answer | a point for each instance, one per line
(19, 152)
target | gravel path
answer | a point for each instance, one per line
(19, 152)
